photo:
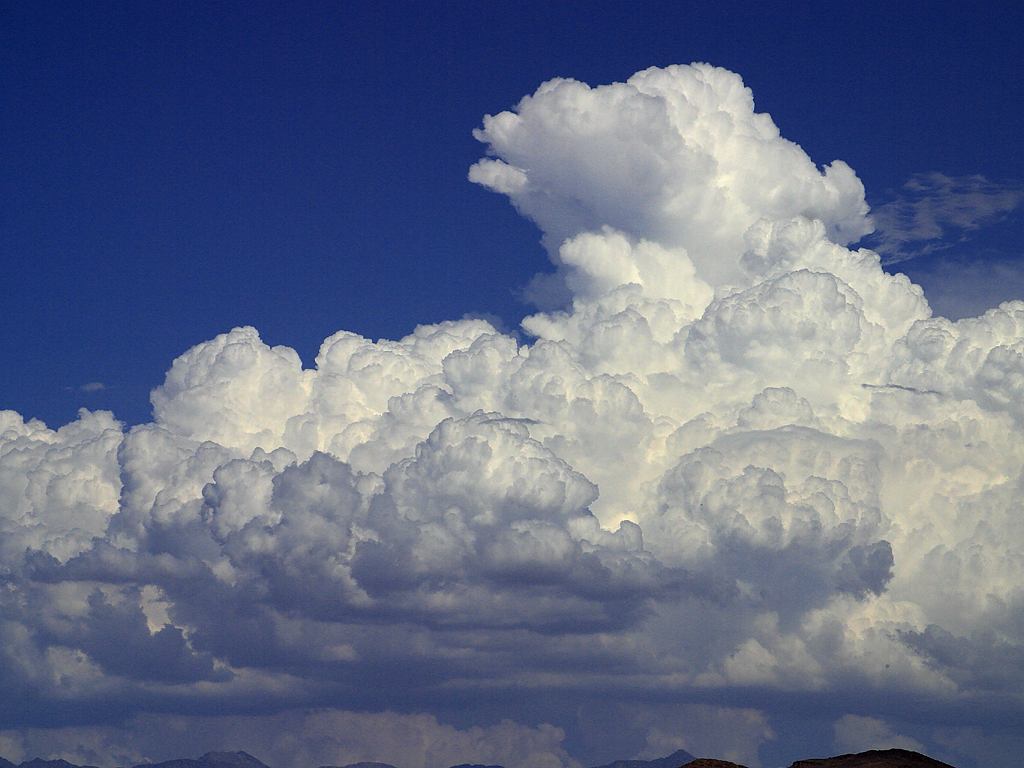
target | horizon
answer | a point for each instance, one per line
(201, 759)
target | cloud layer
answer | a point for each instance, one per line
(736, 467)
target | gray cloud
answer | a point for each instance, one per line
(933, 211)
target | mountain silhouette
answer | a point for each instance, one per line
(209, 760)
(876, 758)
(676, 759)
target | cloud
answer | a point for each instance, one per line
(676, 155)
(730, 733)
(934, 211)
(308, 738)
(739, 468)
(93, 386)
(856, 734)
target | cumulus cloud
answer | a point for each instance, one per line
(675, 155)
(737, 465)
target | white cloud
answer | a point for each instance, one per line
(741, 459)
(674, 155)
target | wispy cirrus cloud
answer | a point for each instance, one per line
(933, 212)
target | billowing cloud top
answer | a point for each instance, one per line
(675, 155)
(737, 462)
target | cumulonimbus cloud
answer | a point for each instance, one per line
(740, 456)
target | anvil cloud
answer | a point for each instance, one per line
(731, 465)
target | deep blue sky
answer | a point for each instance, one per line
(171, 170)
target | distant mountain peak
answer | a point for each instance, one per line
(209, 760)
(675, 760)
(38, 762)
(233, 758)
(875, 758)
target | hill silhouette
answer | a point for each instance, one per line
(876, 758)
(676, 759)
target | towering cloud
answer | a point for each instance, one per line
(735, 466)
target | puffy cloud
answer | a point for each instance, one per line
(59, 487)
(738, 461)
(675, 155)
(792, 514)
(979, 359)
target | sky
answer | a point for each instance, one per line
(171, 171)
(534, 384)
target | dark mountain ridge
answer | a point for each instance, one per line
(676, 759)
(875, 758)
(210, 760)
